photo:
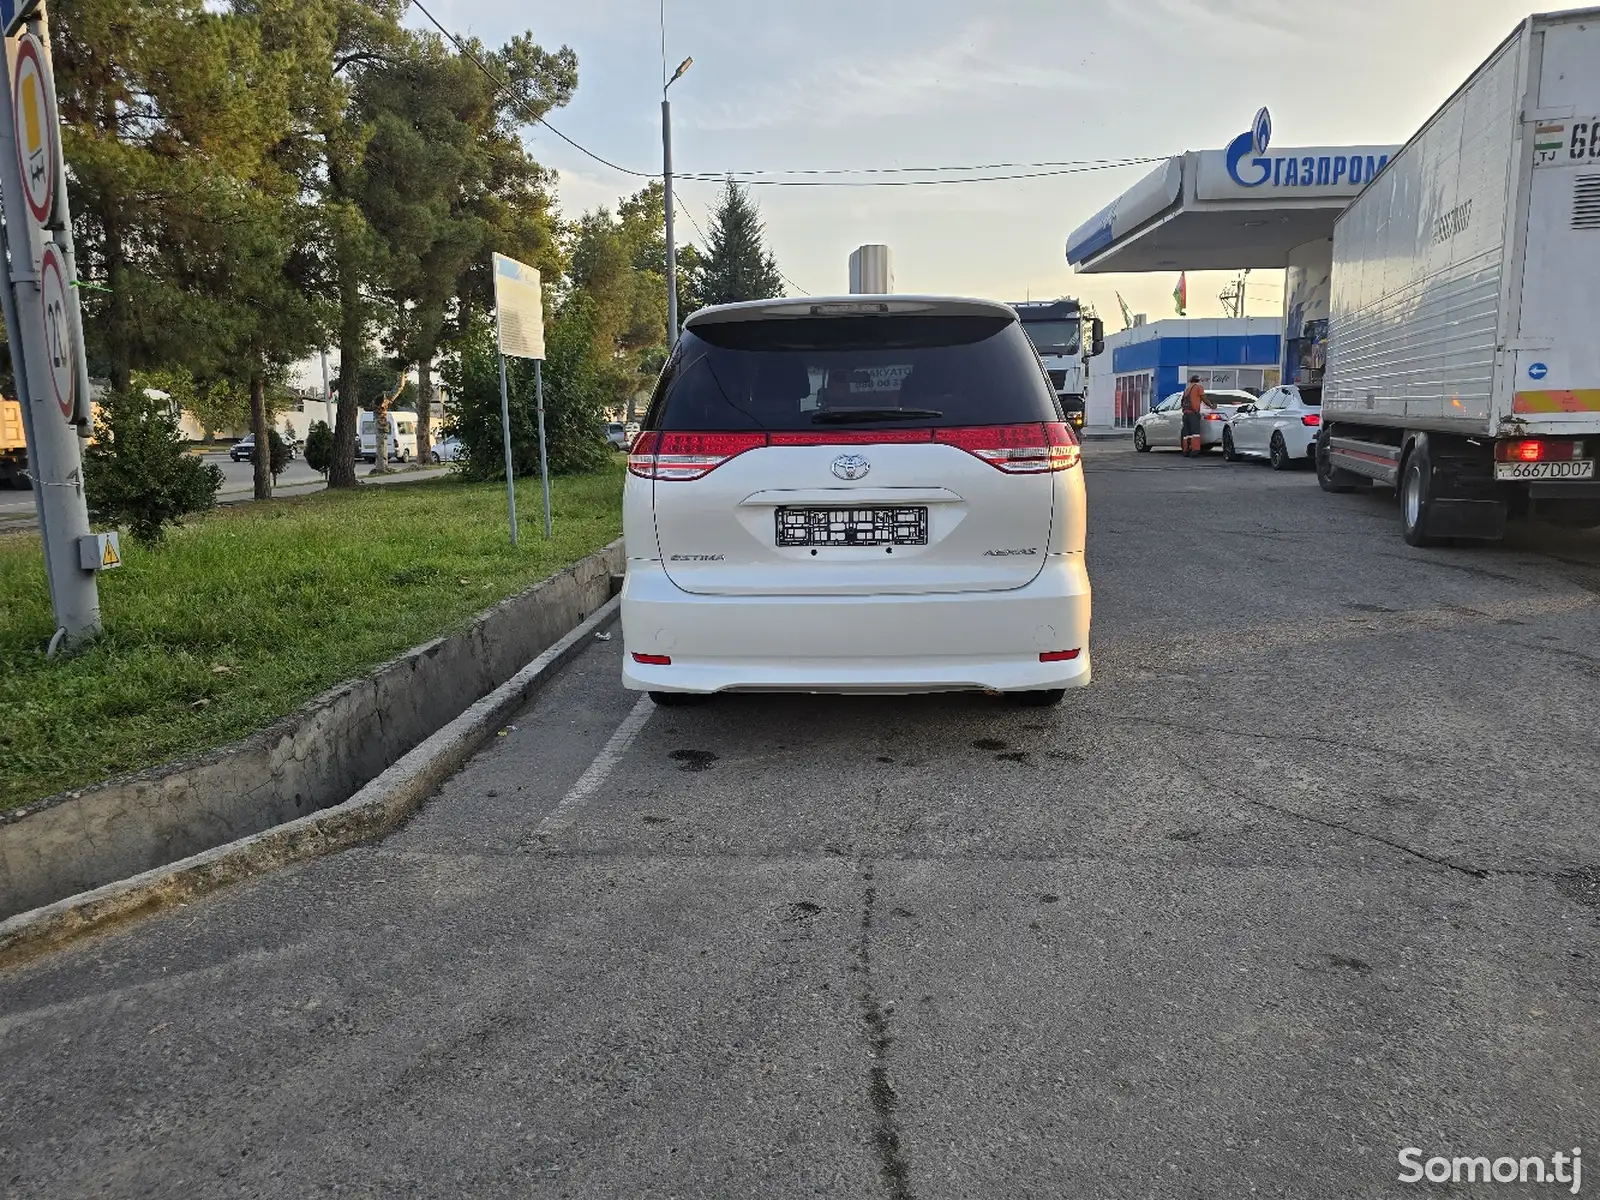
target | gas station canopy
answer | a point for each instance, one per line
(1246, 206)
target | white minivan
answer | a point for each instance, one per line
(402, 436)
(867, 494)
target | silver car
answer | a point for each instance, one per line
(1162, 427)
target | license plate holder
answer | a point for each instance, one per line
(867, 525)
(1579, 468)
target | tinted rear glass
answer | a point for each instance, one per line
(1311, 397)
(852, 372)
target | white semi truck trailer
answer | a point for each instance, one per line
(1464, 337)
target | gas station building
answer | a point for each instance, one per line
(1249, 205)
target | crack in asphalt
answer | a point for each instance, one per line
(1474, 872)
(892, 1165)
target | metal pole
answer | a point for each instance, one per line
(672, 249)
(55, 460)
(505, 430)
(544, 463)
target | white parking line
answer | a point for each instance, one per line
(561, 816)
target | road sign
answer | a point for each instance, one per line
(99, 552)
(38, 131)
(518, 308)
(60, 346)
(14, 13)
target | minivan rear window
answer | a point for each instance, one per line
(852, 372)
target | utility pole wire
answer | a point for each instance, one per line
(1064, 167)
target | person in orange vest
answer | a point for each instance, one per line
(1194, 400)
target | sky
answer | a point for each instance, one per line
(829, 84)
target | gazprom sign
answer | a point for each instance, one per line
(1250, 169)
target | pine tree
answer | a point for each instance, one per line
(737, 264)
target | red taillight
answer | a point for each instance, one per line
(1532, 451)
(1017, 449)
(1058, 655)
(653, 660)
(1214, 416)
(678, 456)
(1311, 419)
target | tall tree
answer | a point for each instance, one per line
(619, 263)
(366, 35)
(162, 120)
(275, 283)
(737, 264)
(443, 141)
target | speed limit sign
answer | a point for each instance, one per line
(60, 346)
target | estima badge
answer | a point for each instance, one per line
(851, 466)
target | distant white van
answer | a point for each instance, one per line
(402, 436)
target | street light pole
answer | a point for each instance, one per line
(672, 248)
(666, 179)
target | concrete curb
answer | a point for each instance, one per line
(377, 809)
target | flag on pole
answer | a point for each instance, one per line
(1127, 317)
(1180, 294)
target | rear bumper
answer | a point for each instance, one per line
(884, 644)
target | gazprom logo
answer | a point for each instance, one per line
(1250, 166)
(1261, 131)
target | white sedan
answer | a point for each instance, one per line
(446, 450)
(1281, 427)
(1162, 426)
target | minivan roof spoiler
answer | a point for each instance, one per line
(842, 306)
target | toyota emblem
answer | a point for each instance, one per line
(851, 466)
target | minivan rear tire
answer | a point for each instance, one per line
(1042, 698)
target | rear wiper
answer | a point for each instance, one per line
(849, 416)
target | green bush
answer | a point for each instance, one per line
(319, 447)
(278, 453)
(137, 472)
(575, 395)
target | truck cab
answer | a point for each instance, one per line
(1056, 329)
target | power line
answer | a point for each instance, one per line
(686, 212)
(1000, 166)
(503, 85)
(1046, 169)
(1078, 170)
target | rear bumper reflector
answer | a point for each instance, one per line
(664, 660)
(1049, 655)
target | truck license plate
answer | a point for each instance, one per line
(1582, 468)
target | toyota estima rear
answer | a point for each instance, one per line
(855, 496)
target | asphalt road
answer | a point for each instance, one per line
(1310, 874)
(238, 484)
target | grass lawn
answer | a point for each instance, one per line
(243, 615)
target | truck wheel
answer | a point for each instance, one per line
(1329, 477)
(1416, 494)
(1279, 454)
(1140, 442)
